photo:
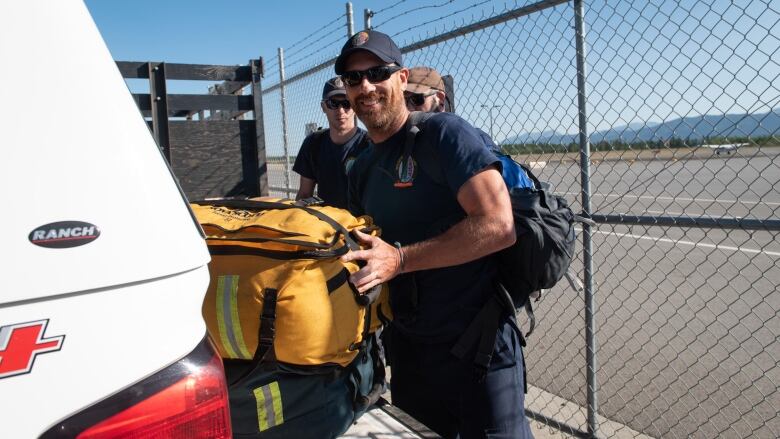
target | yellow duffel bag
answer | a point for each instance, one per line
(277, 281)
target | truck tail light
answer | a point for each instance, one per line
(188, 399)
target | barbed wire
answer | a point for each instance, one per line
(441, 18)
(389, 7)
(407, 12)
(301, 41)
(274, 63)
(296, 60)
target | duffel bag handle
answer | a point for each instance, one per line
(268, 205)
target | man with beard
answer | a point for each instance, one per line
(440, 268)
(326, 155)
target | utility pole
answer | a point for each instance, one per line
(490, 115)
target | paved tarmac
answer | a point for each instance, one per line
(686, 319)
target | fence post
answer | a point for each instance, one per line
(367, 14)
(587, 244)
(258, 71)
(159, 97)
(284, 125)
(350, 25)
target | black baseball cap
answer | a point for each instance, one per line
(375, 42)
(334, 86)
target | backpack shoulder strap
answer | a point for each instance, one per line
(427, 156)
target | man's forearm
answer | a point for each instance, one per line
(470, 239)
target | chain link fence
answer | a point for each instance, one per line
(658, 119)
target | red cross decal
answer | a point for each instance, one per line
(20, 343)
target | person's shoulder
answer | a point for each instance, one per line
(361, 136)
(316, 136)
(489, 142)
(446, 121)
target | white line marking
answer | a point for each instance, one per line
(667, 213)
(661, 212)
(707, 200)
(691, 243)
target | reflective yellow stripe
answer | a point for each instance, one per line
(237, 331)
(269, 406)
(279, 415)
(223, 334)
(262, 414)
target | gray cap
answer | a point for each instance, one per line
(334, 86)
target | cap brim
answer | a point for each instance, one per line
(334, 93)
(418, 88)
(342, 59)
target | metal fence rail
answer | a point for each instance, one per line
(658, 119)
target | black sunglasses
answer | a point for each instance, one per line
(418, 99)
(335, 104)
(374, 75)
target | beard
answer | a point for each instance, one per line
(390, 107)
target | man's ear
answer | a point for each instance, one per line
(324, 108)
(403, 75)
(442, 98)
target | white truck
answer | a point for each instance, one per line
(104, 268)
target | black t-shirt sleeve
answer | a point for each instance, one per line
(460, 148)
(304, 162)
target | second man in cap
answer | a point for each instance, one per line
(326, 155)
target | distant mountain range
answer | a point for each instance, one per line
(698, 127)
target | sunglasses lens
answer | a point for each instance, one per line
(334, 104)
(378, 74)
(352, 78)
(415, 99)
(374, 75)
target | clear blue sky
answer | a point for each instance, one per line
(647, 61)
(215, 32)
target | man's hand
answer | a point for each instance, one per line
(383, 262)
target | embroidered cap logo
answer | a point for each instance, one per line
(360, 38)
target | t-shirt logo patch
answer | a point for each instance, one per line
(405, 170)
(348, 164)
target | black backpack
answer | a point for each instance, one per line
(544, 224)
(540, 257)
(542, 253)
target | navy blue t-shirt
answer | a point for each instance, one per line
(327, 164)
(430, 305)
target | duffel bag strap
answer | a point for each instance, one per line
(342, 277)
(266, 333)
(265, 340)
